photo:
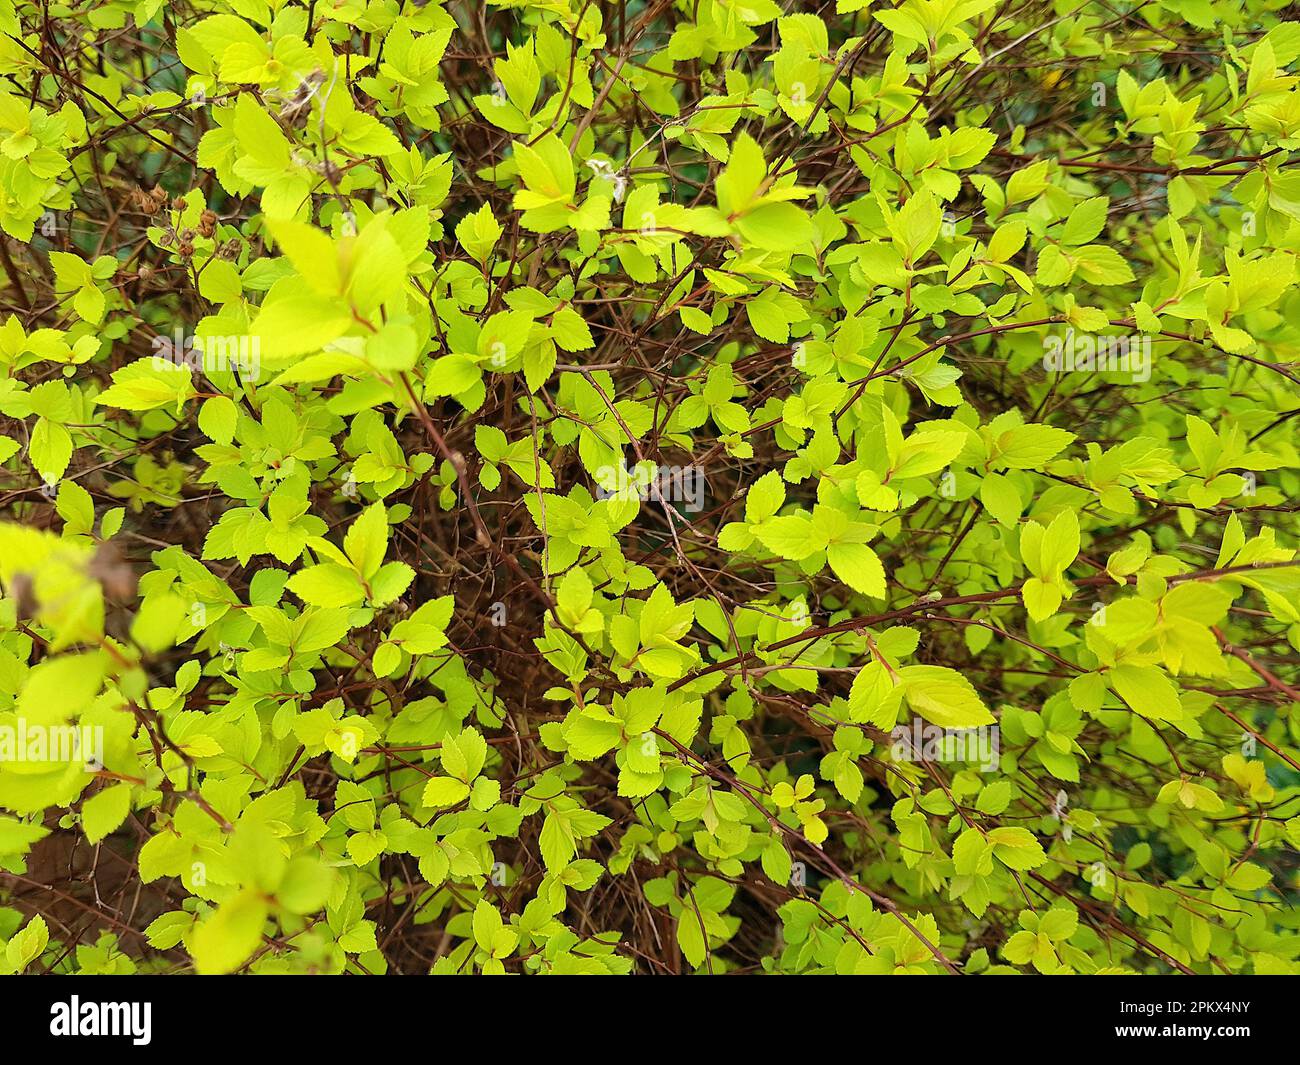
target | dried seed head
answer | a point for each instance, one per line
(144, 201)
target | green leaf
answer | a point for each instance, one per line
(1147, 691)
(148, 384)
(444, 791)
(690, 937)
(943, 697)
(367, 540)
(105, 810)
(227, 939)
(27, 945)
(859, 567)
(1016, 848)
(327, 585)
(1085, 221)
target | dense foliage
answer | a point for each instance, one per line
(555, 486)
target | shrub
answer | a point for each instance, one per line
(644, 486)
